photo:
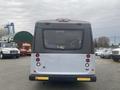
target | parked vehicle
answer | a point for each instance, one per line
(116, 54)
(62, 51)
(106, 53)
(8, 50)
(99, 52)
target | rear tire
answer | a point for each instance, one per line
(17, 56)
(102, 56)
(116, 60)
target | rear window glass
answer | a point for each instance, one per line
(63, 39)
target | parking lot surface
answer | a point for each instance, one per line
(14, 75)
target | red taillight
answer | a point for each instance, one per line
(87, 64)
(37, 59)
(88, 55)
(37, 54)
(87, 60)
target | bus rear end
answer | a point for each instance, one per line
(63, 51)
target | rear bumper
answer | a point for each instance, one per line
(81, 78)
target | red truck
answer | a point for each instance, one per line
(25, 49)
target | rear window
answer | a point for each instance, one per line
(63, 39)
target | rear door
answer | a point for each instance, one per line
(63, 53)
(63, 64)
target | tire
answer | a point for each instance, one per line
(101, 56)
(1, 56)
(116, 60)
(17, 56)
(96, 54)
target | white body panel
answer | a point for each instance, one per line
(62, 64)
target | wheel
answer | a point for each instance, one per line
(17, 56)
(1, 56)
(116, 60)
(101, 56)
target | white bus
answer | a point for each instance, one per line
(62, 51)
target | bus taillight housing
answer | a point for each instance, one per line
(37, 59)
(88, 55)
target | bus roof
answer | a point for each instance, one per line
(63, 21)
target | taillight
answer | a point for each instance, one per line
(88, 55)
(37, 54)
(87, 60)
(37, 59)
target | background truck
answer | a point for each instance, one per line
(9, 50)
(116, 54)
(25, 49)
(24, 41)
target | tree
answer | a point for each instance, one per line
(103, 41)
(95, 43)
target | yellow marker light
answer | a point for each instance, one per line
(83, 79)
(42, 78)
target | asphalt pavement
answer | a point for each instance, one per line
(14, 75)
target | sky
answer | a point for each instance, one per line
(104, 15)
